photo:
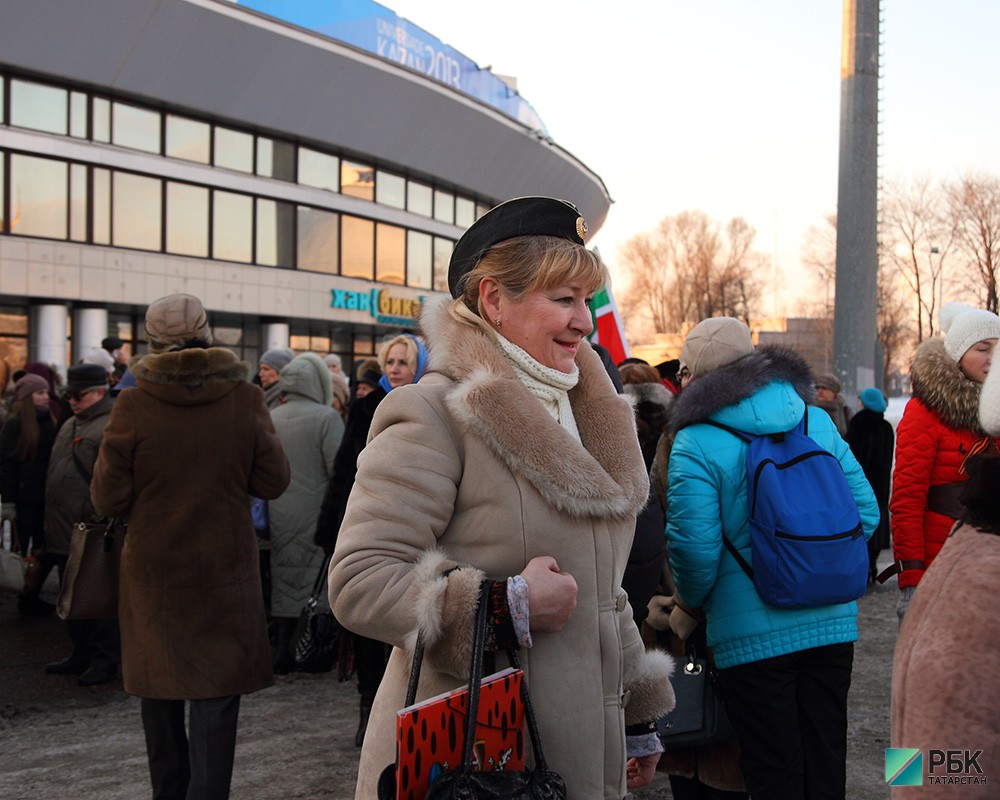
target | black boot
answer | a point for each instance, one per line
(366, 710)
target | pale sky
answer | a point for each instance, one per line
(732, 107)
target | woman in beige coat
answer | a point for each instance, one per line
(180, 457)
(513, 458)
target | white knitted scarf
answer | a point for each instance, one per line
(549, 385)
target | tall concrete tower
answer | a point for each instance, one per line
(854, 327)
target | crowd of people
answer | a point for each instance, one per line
(599, 511)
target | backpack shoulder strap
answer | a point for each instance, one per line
(737, 433)
(744, 564)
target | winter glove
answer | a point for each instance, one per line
(905, 595)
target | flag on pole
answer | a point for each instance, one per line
(608, 329)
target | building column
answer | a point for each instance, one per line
(47, 335)
(273, 334)
(90, 327)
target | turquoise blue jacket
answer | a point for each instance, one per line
(762, 393)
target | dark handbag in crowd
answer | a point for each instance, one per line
(89, 588)
(317, 633)
(462, 783)
(699, 717)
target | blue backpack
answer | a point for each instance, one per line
(806, 541)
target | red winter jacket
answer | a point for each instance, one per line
(938, 431)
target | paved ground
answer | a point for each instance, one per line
(296, 738)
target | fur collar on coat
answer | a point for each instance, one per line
(604, 477)
(189, 377)
(941, 386)
(737, 381)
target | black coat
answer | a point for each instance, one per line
(873, 443)
(345, 467)
(23, 482)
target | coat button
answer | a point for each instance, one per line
(620, 602)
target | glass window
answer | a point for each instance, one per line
(465, 212)
(39, 188)
(102, 120)
(357, 247)
(318, 169)
(390, 253)
(78, 115)
(232, 226)
(135, 127)
(419, 198)
(357, 180)
(37, 106)
(444, 206)
(390, 190)
(481, 209)
(419, 259)
(102, 206)
(233, 150)
(442, 255)
(3, 199)
(275, 233)
(188, 139)
(78, 202)
(275, 159)
(187, 219)
(136, 211)
(317, 240)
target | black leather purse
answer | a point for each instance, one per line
(698, 718)
(540, 783)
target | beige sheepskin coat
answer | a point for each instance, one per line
(466, 469)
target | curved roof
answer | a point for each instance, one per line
(225, 62)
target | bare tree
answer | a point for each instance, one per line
(687, 269)
(918, 240)
(974, 208)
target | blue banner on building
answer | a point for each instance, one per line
(373, 27)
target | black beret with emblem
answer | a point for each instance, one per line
(522, 216)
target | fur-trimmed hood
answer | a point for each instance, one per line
(728, 385)
(941, 386)
(189, 377)
(605, 476)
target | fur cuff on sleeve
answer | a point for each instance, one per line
(652, 696)
(445, 608)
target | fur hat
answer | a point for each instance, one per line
(333, 360)
(948, 313)
(174, 320)
(277, 357)
(715, 342)
(341, 389)
(370, 378)
(30, 383)
(969, 327)
(989, 403)
(86, 376)
(828, 381)
(110, 343)
(100, 357)
(873, 399)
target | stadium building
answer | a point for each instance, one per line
(305, 176)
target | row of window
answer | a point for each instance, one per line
(57, 199)
(67, 112)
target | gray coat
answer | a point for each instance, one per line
(310, 431)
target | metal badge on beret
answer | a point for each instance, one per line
(522, 216)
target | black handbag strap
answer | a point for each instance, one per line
(475, 679)
(321, 578)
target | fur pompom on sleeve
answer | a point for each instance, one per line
(445, 608)
(651, 695)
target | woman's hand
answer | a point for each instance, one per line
(551, 594)
(639, 771)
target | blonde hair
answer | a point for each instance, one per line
(529, 263)
(412, 352)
